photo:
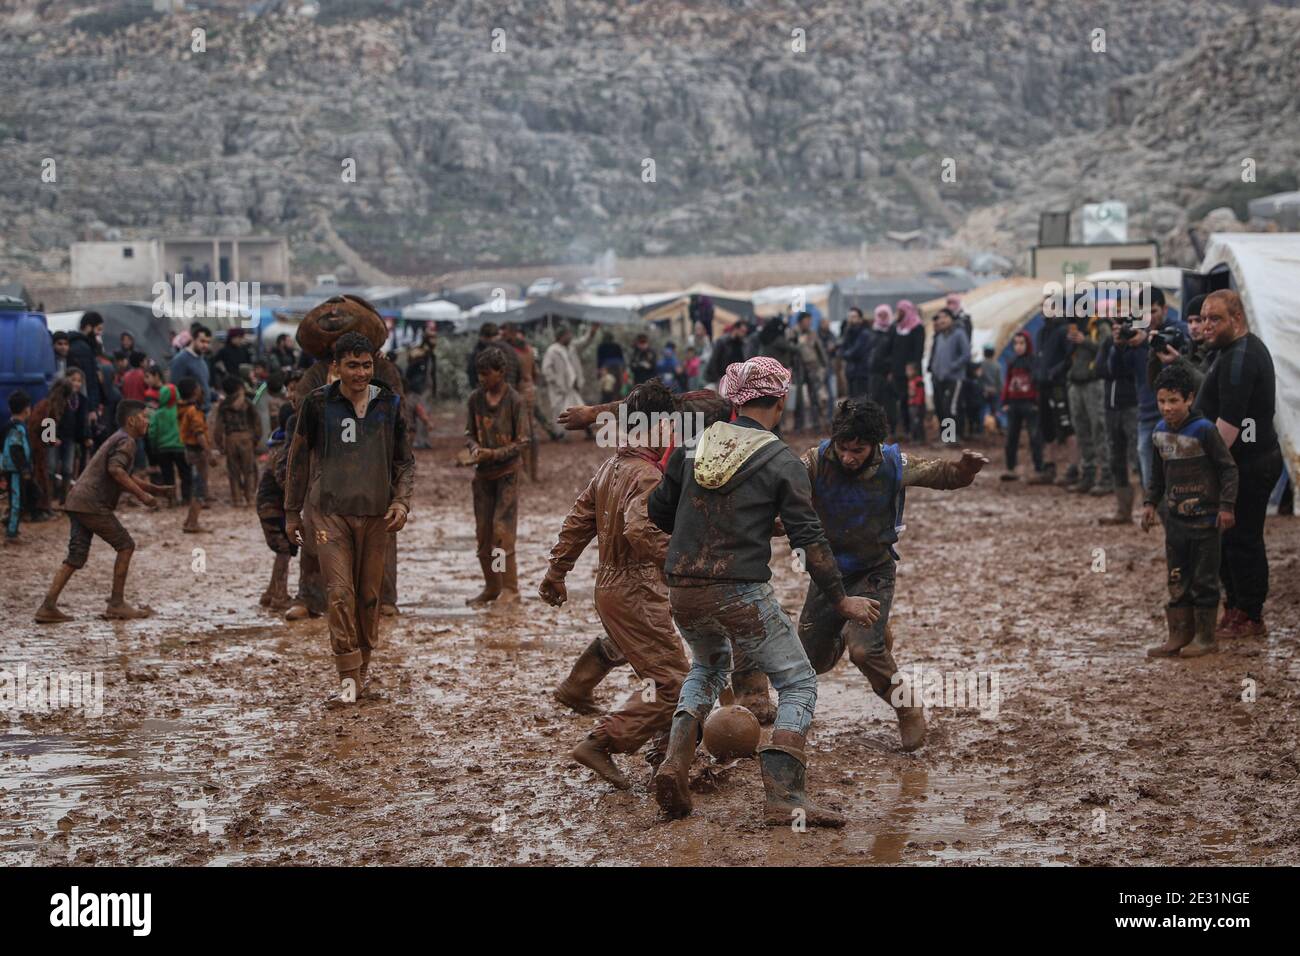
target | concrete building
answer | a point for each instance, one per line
(142, 262)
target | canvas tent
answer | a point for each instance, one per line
(153, 333)
(551, 310)
(866, 294)
(1265, 269)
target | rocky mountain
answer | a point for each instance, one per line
(486, 132)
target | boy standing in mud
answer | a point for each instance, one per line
(631, 596)
(350, 454)
(496, 434)
(858, 484)
(720, 506)
(236, 434)
(1195, 475)
(90, 508)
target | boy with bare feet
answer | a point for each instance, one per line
(193, 427)
(236, 432)
(720, 506)
(631, 595)
(90, 507)
(351, 436)
(270, 511)
(496, 433)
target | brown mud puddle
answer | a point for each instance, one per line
(213, 747)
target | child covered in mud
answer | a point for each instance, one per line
(496, 434)
(192, 425)
(236, 432)
(270, 512)
(631, 594)
(1194, 477)
(90, 509)
(720, 506)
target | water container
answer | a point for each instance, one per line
(26, 356)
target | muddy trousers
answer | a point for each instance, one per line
(1244, 571)
(1088, 412)
(1023, 413)
(1122, 438)
(351, 553)
(1192, 558)
(711, 617)
(636, 614)
(825, 635)
(496, 515)
(241, 466)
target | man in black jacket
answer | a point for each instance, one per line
(728, 495)
(84, 350)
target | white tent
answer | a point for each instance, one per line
(432, 310)
(1265, 270)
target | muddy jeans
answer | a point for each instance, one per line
(1192, 557)
(637, 617)
(496, 513)
(351, 553)
(824, 634)
(747, 612)
(241, 466)
(1088, 413)
(1122, 432)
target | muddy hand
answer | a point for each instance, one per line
(865, 611)
(293, 528)
(395, 517)
(971, 462)
(577, 417)
(553, 591)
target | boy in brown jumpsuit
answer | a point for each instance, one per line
(236, 433)
(631, 593)
(352, 432)
(496, 433)
(90, 507)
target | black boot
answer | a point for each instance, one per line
(1203, 627)
(671, 781)
(575, 691)
(784, 772)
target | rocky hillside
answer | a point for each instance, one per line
(505, 131)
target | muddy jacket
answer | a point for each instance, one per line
(612, 509)
(1193, 471)
(863, 512)
(721, 505)
(230, 420)
(364, 464)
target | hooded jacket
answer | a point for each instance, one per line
(721, 505)
(1021, 382)
(164, 430)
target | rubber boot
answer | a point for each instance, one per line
(346, 696)
(1069, 479)
(1203, 627)
(491, 587)
(510, 582)
(1123, 507)
(593, 753)
(750, 688)
(1044, 477)
(276, 596)
(1085, 483)
(591, 667)
(784, 782)
(671, 782)
(1181, 630)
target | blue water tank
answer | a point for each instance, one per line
(26, 356)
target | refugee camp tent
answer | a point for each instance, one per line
(553, 310)
(673, 312)
(1265, 270)
(866, 294)
(153, 333)
(433, 310)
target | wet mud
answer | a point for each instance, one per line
(214, 747)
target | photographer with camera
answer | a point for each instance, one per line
(1136, 338)
(1087, 396)
(1239, 395)
(1199, 356)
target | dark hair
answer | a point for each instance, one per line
(353, 343)
(803, 315)
(489, 330)
(286, 413)
(90, 320)
(946, 311)
(490, 358)
(765, 401)
(275, 382)
(854, 308)
(136, 358)
(1176, 378)
(59, 337)
(230, 384)
(262, 363)
(198, 328)
(187, 387)
(234, 333)
(1157, 296)
(1193, 307)
(650, 397)
(119, 356)
(153, 370)
(127, 409)
(859, 420)
(19, 401)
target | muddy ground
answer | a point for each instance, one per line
(214, 748)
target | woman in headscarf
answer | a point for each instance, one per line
(908, 348)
